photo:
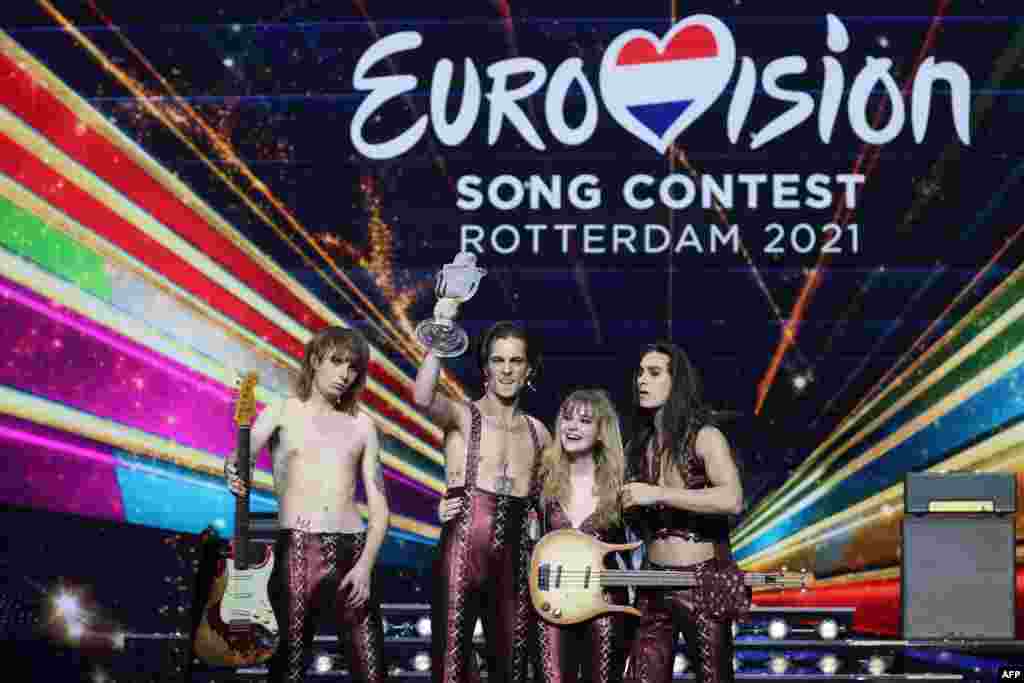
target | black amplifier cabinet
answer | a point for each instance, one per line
(958, 559)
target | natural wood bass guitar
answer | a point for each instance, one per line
(568, 577)
(238, 628)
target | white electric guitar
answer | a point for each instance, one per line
(239, 628)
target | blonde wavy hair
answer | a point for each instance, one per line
(609, 458)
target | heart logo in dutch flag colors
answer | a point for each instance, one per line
(656, 88)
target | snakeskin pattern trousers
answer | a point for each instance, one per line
(305, 588)
(589, 652)
(667, 612)
(480, 573)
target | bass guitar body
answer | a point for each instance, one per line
(565, 577)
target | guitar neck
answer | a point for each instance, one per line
(669, 579)
(241, 537)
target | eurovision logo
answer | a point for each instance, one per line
(697, 56)
(656, 87)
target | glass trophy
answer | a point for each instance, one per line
(458, 281)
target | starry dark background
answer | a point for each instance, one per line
(937, 221)
(272, 83)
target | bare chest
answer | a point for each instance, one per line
(507, 457)
(319, 441)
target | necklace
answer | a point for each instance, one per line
(504, 484)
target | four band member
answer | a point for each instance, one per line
(683, 485)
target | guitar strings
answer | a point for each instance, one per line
(577, 577)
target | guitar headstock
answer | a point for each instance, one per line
(245, 407)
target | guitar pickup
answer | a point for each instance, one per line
(586, 578)
(544, 577)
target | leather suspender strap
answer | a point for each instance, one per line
(535, 474)
(473, 450)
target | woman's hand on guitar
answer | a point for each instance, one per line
(448, 508)
(639, 495)
(235, 483)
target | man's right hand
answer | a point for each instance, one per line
(235, 483)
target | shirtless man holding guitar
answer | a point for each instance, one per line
(321, 443)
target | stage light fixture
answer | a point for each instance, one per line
(777, 629)
(829, 664)
(680, 664)
(421, 662)
(828, 629)
(423, 627)
(323, 663)
(877, 665)
(778, 664)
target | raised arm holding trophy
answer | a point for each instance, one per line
(456, 284)
(482, 555)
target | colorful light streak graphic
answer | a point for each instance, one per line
(124, 316)
(161, 237)
(227, 154)
(868, 158)
(878, 516)
(206, 424)
(98, 316)
(1007, 294)
(947, 386)
(918, 345)
(894, 324)
(56, 416)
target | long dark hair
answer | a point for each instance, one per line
(684, 412)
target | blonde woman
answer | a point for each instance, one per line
(583, 471)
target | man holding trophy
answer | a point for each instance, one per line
(483, 554)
